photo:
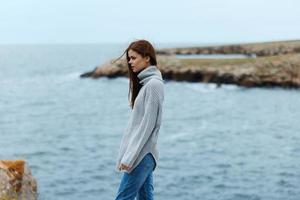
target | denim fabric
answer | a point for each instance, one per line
(138, 183)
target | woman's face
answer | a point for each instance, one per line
(137, 62)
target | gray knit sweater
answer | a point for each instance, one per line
(144, 123)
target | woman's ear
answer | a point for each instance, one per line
(148, 59)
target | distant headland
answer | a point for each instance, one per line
(265, 64)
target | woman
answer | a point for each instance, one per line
(138, 155)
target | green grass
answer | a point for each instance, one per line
(234, 61)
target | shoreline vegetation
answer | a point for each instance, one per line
(267, 64)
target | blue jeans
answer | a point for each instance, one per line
(139, 182)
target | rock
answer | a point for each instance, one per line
(88, 74)
(16, 181)
(258, 49)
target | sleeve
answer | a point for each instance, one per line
(143, 131)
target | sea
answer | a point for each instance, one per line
(215, 143)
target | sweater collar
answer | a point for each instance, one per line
(148, 73)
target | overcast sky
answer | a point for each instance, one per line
(161, 21)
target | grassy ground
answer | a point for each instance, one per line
(234, 61)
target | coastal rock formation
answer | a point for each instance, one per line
(16, 181)
(277, 64)
(258, 49)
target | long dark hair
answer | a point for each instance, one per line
(144, 48)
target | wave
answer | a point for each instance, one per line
(209, 87)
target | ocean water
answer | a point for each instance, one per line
(227, 143)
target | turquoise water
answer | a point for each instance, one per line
(215, 143)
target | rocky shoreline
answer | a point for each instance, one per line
(16, 181)
(258, 49)
(268, 65)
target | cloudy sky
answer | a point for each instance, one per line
(161, 21)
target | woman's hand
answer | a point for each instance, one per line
(125, 167)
